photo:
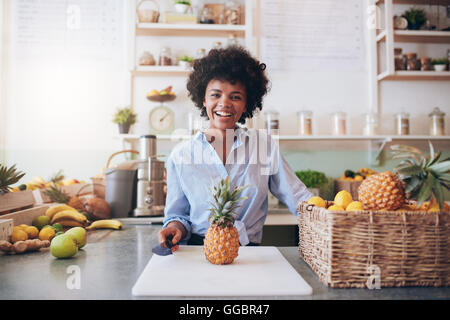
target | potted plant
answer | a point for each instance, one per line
(182, 6)
(185, 61)
(416, 18)
(312, 180)
(125, 118)
(440, 64)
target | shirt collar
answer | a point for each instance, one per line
(240, 132)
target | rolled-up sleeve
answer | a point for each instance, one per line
(284, 183)
(177, 205)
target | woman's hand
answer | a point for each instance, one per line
(174, 230)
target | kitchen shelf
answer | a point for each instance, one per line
(417, 36)
(196, 30)
(415, 75)
(149, 70)
(416, 2)
(175, 137)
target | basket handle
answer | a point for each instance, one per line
(119, 152)
(142, 1)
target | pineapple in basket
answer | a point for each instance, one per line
(418, 177)
(221, 244)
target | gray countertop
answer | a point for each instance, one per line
(112, 261)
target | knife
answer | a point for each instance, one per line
(164, 251)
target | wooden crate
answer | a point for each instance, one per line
(26, 216)
(14, 201)
(350, 249)
(6, 226)
(71, 190)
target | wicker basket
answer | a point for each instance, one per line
(147, 15)
(406, 248)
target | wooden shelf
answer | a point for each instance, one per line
(415, 75)
(306, 138)
(416, 2)
(422, 36)
(183, 30)
(147, 70)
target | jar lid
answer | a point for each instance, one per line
(271, 112)
(437, 112)
(306, 112)
(402, 114)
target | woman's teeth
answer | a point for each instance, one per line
(223, 114)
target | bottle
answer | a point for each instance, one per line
(437, 122)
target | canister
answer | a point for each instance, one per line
(304, 120)
(339, 123)
(402, 123)
(272, 121)
(437, 122)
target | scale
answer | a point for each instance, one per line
(162, 120)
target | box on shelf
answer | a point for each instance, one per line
(395, 249)
(175, 17)
(14, 201)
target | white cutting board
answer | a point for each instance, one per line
(257, 271)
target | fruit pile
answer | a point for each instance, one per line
(164, 92)
(360, 175)
(39, 183)
(48, 231)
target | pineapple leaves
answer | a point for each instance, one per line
(438, 193)
(426, 190)
(441, 167)
(8, 177)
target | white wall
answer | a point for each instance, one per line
(62, 120)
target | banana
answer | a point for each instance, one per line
(70, 223)
(55, 209)
(106, 224)
(69, 215)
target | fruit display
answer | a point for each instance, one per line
(343, 201)
(58, 179)
(164, 95)
(360, 175)
(221, 244)
(66, 216)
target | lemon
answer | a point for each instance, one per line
(18, 235)
(47, 234)
(32, 232)
(335, 208)
(343, 199)
(317, 201)
(41, 221)
(354, 206)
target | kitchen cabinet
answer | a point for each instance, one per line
(385, 34)
(158, 31)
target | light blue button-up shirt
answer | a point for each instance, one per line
(194, 167)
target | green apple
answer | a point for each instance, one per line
(63, 246)
(79, 234)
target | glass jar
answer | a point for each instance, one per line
(217, 45)
(402, 123)
(399, 59)
(201, 53)
(371, 124)
(412, 63)
(339, 123)
(232, 41)
(304, 119)
(437, 122)
(426, 64)
(207, 16)
(272, 122)
(147, 59)
(165, 57)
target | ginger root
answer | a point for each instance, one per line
(23, 246)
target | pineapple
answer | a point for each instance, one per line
(424, 175)
(8, 177)
(382, 191)
(57, 195)
(221, 244)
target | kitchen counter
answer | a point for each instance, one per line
(112, 261)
